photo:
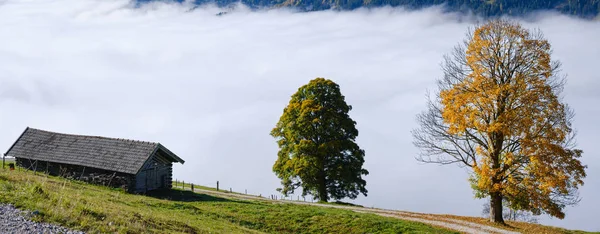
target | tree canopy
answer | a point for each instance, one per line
(317, 148)
(499, 112)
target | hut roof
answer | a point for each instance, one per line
(113, 154)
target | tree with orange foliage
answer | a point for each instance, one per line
(498, 111)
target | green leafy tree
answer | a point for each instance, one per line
(317, 148)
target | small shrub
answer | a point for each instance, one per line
(4, 178)
(96, 214)
(38, 190)
(90, 212)
(7, 187)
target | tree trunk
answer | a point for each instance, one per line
(496, 196)
(323, 194)
(496, 208)
(323, 187)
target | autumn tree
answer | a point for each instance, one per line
(499, 111)
(317, 148)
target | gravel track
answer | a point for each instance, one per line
(449, 223)
(15, 221)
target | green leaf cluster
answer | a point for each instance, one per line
(317, 148)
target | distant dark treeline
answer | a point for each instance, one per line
(489, 8)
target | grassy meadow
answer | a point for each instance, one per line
(98, 209)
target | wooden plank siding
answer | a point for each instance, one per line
(88, 174)
(156, 173)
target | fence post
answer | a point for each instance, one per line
(183, 184)
(230, 190)
(3, 157)
(192, 187)
(217, 185)
(246, 191)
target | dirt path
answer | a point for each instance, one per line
(453, 224)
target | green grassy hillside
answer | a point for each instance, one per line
(99, 209)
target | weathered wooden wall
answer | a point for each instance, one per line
(155, 174)
(87, 174)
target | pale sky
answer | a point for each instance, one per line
(211, 88)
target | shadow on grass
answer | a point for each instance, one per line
(187, 196)
(341, 203)
(184, 196)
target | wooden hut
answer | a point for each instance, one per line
(136, 166)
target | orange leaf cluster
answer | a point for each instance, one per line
(509, 99)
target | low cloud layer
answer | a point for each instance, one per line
(211, 88)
